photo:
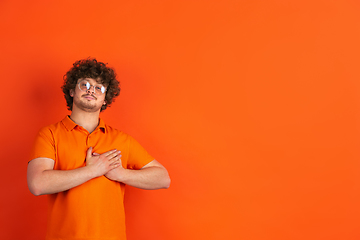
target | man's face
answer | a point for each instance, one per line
(88, 95)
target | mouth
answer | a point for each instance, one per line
(89, 97)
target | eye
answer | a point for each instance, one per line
(103, 89)
(100, 89)
(85, 85)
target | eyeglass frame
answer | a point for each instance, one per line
(94, 90)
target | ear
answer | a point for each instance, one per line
(104, 102)
(71, 92)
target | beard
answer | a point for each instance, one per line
(87, 105)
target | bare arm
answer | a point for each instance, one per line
(152, 176)
(43, 179)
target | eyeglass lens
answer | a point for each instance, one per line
(85, 86)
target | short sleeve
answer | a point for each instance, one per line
(44, 145)
(138, 156)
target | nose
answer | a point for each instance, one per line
(90, 90)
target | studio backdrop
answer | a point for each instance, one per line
(252, 106)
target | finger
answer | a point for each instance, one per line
(115, 160)
(117, 153)
(113, 166)
(88, 152)
(110, 152)
(113, 155)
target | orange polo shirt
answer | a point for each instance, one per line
(94, 210)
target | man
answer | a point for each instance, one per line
(84, 164)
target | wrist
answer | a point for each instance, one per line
(91, 171)
(122, 176)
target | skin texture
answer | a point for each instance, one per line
(43, 179)
(91, 68)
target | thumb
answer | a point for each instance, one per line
(88, 152)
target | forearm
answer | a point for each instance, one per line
(43, 179)
(54, 181)
(149, 178)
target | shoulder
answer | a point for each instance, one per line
(114, 132)
(52, 129)
(45, 139)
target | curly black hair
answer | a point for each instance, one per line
(91, 68)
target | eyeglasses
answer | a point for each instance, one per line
(85, 86)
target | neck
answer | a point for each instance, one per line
(88, 120)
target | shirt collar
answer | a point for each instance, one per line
(101, 125)
(70, 124)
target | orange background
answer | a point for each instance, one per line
(253, 107)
